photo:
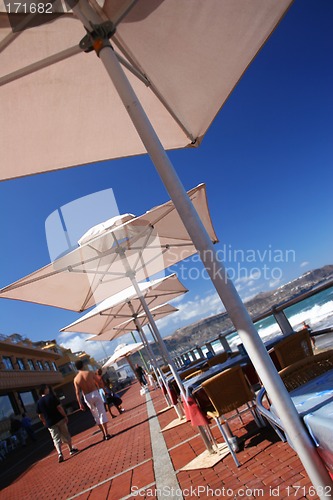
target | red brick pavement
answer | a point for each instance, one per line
(108, 470)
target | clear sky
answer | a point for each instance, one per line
(267, 164)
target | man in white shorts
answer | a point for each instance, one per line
(86, 382)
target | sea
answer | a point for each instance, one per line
(315, 311)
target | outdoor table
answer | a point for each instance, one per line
(314, 403)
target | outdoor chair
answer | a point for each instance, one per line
(229, 391)
(217, 359)
(306, 369)
(186, 373)
(194, 374)
(293, 348)
(294, 376)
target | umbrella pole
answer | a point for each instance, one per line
(130, 362)
(155, 339)
(140, 353)
(143, 337)
(237, 312)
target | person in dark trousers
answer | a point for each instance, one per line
(101, 386)
(54, 417)
(112, 398)
(141, 375)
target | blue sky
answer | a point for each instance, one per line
(267, 164)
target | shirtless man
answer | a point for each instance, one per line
(86, 382)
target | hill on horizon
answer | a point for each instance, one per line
(210, 328)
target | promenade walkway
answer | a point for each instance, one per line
(140, 461)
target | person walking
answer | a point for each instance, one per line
(86, 382)
(112, 398)
(141, 375)
(101, 386)
(54, 417)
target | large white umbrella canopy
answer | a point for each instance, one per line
(119, 308)
(123, 351)
(116, 331)
(96, 270)
(185, 57)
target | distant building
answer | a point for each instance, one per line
(23, 368)
(124, 371)
(25, 365)
(120, 372)
(66, 366)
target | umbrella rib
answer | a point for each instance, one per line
(133, 70)
(147, 262)
(139, 307)
(94, 271)
(43, 63)
(106, 324)
(20, 28)
(94, 285)
(167, 246)
(114, 315)
(143, 247)
(125, 12)
(58, 57)
(121, 46)
(10, 38)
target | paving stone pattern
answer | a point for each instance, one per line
(123, 467)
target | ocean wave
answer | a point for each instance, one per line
(318, 317)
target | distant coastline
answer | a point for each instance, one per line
(209, 328)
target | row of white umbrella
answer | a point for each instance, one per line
(111, 256)
(123, 351)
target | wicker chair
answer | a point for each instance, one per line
(293, 348)
(217, 359)
(194, 374)
(306, 369)
(294, 376)
(187, 373)
(228, 391)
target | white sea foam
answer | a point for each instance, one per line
(317, 317)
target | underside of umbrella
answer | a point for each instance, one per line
(123, 306)
(144, 245)
(118, 330)
(174, 52)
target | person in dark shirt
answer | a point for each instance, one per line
(141, 375)
(54, 417)
(112, 398)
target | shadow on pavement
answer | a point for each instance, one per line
(20, 460)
